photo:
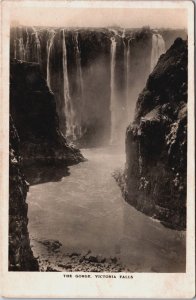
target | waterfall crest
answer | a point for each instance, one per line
(158, 48)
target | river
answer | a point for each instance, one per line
(84, 212)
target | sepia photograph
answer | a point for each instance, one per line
(98, 101)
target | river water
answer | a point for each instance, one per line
(85, 211)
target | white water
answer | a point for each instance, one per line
(78, 63)
(23, 50)
(37, 45)
(49, 47)
(69, 112)
(113, 92)
(158, 48)
(128, 100)
(15, 48)
(85, 210)
(120, 114)
(81, 87)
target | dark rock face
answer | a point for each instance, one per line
(20, 253)
(154, 180)
(33, 110)
(35, 140)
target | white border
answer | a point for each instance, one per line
(36, 284)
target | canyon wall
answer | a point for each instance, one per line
(154, 180)
(20, 254)
(33, 109)
(95, 97)
(35, 139)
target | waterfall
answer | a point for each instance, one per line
(78, 63)
(127, 78)
(38, 46)
(20, 51)
(21, 48)
(112, 85)
(27, 46)
(127, 71)
(49, 46)
(15, 48)
(80, 84)
(69, 114)
(158, 48)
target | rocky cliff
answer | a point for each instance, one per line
(35, 139)
(20, 253)
(154, 180)
(33, 109)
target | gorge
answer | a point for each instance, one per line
(76, 88)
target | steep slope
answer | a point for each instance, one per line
(154, 180)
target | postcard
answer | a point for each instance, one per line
(97, 156)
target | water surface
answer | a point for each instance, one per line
(85, 210)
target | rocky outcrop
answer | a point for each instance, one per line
(33, 109)
(20, 254)
(154, 180)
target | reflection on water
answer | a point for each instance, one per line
(85, 210)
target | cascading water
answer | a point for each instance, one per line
(49, 47)
(80, 86)
(27, 45)
(112, 85)
(37, 46)
(15, 48)
(158, 48)
(69, 113)
(120, 110)
(125, 60)
(21, 49)
(78, 63)
(127, 77)
(126, 70)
